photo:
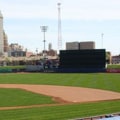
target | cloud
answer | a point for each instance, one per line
(92, 9)
(77, 9)
(29, 9)
(81, 20)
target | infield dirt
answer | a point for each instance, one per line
(68, 94)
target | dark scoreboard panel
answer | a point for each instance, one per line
(83, 58)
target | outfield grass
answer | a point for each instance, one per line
(17, 97)
(13, 67)
(113, 66)
(61, 112)
(93, 80)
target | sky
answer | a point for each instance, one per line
(81, 20)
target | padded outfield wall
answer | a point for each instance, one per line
(83, 60)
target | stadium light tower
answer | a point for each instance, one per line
(44, 29)
(59, 27)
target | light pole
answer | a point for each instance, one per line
(44, 29)
(102, 35)
(37, 53)
(59, 27)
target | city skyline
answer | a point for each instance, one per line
(82, 20)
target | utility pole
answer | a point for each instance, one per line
(59, 27)
(102, 35)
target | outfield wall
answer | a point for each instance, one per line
(113, 70)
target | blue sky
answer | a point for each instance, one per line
(82, 20)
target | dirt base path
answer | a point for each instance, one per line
(68, 94)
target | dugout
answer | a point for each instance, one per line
(93, 60)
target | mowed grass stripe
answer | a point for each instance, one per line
(61, 112)
(94, 80)
(19, 97)
(104, 81)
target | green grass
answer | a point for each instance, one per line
(61, 112)
(13, 67)
(9, 69)
(93, 80)
(17, 97)
(113, 66)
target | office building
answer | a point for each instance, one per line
(72, 46)
(87, 45)
(5, 39)
(1, 35)
(80, 45)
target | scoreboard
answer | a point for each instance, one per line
(94, 58)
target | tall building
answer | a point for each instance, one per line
(50, 46)
(87, 45)
(80, 45)
(72, 46)
(5, 39)
(1, 35)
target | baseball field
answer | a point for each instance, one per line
(58, 96)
